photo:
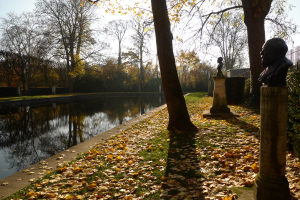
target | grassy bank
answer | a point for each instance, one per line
(148, 162)
(20, 98)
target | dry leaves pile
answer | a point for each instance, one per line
(148, 162)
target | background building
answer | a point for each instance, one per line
(245, 72)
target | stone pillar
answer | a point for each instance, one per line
(53, 89)
(19, 90)
(220, 100)
(271, 183)
(213, 86)
(210, 89)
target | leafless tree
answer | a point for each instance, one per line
(22, 38)
(69, 25)
(117, 29)
(142, 34)
(230, 36)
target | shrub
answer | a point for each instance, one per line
(293, 83)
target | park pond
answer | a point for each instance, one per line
(31, 134)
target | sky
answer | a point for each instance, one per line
(19, 6)
(295, 14)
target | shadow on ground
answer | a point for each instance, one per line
(249, 128)
(182, 177)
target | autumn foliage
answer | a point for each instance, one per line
(193, 73)
(109, 77)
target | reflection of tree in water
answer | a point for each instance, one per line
(22, 154)
(29, 135)
(22, 131)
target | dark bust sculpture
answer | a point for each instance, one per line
(220, 65)
(273, 58)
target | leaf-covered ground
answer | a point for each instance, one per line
(149, 162)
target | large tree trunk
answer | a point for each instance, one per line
(178, 115)
(255, 12)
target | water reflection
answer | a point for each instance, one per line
(31, 134)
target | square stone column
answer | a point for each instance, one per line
(220, 99)
(19, 90)
(219, 108)
(210, 88)
(271, 183)
(53, 89)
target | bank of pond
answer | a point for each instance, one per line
(30, 134)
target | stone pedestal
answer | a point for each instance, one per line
(220, 100)
(53, 89)
(271, 183)
(210, 88)
(219, 108)
(18, 90)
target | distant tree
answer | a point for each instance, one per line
(193, 73)
(46, 74)
(142, 34)
(131, 61)
(186, 60)
(69, 25)
(230, 36)
(117, 29)
(21, 37)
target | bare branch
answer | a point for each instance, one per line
(222, 11)
(276, 22)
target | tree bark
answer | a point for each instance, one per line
(255, 12)
(178, 115)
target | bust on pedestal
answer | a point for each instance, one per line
(271, 183)
(219, 108)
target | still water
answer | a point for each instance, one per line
(29, 135)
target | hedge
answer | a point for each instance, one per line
(293, 83)
(8, 91)
(235, 90)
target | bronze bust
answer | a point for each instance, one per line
(273, 58)
(220, 65)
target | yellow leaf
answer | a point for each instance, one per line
(110, 157)
(69, 197)
(255, 168)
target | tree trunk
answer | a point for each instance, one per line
(178, 115)
(73, 65)
(141, 66)
(255, 12)
(119, 57)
